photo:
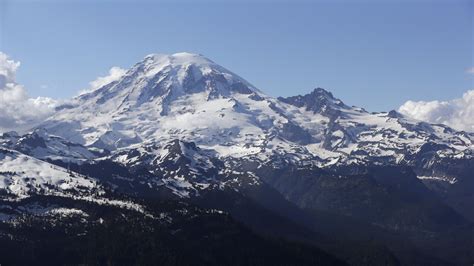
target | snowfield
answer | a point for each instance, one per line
(21, 175)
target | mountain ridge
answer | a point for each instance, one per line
(182, 128)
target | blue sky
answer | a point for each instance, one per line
(375, 54)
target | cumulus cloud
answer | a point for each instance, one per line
(457, 113)
(18, 111)
(115, 73)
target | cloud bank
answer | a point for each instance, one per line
(115, 73)
(18, 111)
(456, 113)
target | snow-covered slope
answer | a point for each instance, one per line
(42, 145)
(22, 175)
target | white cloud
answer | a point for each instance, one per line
(456, 113)
(470, 70)
(18, 111)
(115, 73)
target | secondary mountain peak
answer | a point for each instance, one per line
(318, 101)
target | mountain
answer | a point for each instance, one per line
(189, 97)
(173, 95)
(180, 128)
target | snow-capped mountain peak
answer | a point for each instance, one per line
(166, 77)
(190, 98)
(162, 95)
